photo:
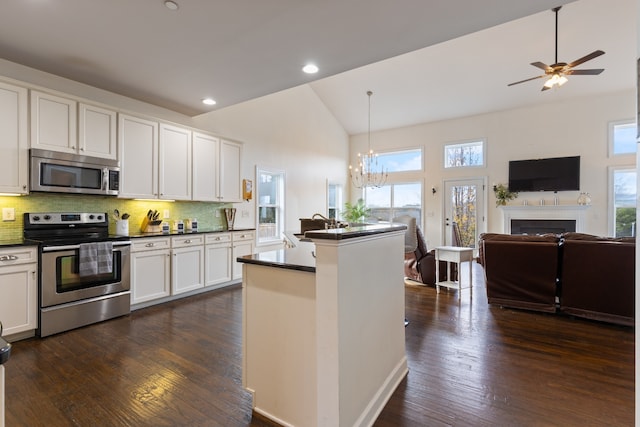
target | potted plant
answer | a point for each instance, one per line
(503, 195)
(355, 213)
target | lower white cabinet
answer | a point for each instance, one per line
(187, 263)
(242, 243)
(18, 289)
(150, 269)
(217, 259)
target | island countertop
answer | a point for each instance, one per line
(302, 256)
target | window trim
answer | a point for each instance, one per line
(401, 150)
(469, 142)
(611, 210)
(281, 206)
(610, 138)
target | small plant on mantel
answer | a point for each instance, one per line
(503, 195)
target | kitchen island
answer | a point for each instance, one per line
(323, 326)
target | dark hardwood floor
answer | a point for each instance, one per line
(179, 364)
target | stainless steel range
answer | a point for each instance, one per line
(84, 272)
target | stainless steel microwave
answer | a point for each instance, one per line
(56, 172)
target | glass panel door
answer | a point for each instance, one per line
(464, 205)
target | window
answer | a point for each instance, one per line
(270, 197)
(623, 193)
(393, 200)
(334, 200)
(399, 161)
(464, 154)
(622, 138)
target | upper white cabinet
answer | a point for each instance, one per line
(53, 123)
(138, 145)
(230, 187)
(205, 167)
(175, 163)
(97, 131)
(14, 162)
(65, 125)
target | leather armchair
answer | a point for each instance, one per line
(420, 265)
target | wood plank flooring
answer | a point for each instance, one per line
(179, 364)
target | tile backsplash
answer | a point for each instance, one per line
(208, 214)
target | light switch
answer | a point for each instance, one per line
(8, 214)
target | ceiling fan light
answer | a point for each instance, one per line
(562, 80)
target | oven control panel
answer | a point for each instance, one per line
(66, 218)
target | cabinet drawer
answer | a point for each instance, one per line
(139, 245)
(239, 236)
(215, 238)
(185, 241)
(18, 255)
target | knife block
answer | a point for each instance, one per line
(149, 226)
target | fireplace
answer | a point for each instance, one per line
(544, 218)
(542, 226)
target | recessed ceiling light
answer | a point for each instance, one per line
(310, 68)
(209, 101)
(171, 5)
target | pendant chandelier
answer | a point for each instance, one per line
(367, 173)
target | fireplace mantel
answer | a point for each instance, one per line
(575, 212)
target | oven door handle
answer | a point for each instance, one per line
(72, 247)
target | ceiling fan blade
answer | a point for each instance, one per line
(544, 88)
(589, 57)
(526, 80)
(592, 72)
(541, 65)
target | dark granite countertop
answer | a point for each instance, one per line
(353, 232)
(5, 243)
(301, 258)
(138, 234)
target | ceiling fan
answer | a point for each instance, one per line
(557, 73)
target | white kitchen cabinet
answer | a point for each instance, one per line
(53, 123)
(175, 163)
(14, 162)
(138, 146)
(242, 244)
(150, 269)
(68, 126)
(97, 131)
(230, 184)
(18, 289)
(217, 259)
(187, 264)
(205, 154)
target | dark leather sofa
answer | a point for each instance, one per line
(578, 274)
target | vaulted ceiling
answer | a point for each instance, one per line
(425, 60)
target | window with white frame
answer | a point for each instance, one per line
(622, 138)
(465, 154)
(399, 161)
(393, 200)
(623, 195)
(270, 198)
(334, 200)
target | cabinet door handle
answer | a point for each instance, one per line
(8, 258)
(188, 241)
(150, 245)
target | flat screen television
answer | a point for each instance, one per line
(553, 174)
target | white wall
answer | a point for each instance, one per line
(577, 127)
(291, 131)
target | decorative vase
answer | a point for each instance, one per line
(584, 199)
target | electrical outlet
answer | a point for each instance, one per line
(217, 213)
(8, 214)
(245, 214)
(166, 214)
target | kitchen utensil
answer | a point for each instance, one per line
(116, 212)
(125, 216)
(150, 214)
